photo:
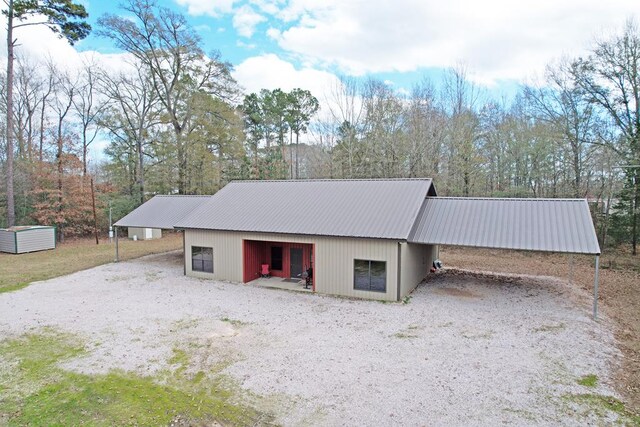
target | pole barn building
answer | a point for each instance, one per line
(372, 238)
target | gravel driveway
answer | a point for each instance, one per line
(463, 351)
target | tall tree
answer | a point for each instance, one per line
(87, 106)
(170, 51)
(61, 16)
(132, 112)
(610, 77)
(562, 104)
(302, 106)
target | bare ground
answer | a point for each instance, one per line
(619, 295)
(465, 349)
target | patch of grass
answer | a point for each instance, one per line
(234, 322)
(406, 299)
(590, 380)
(409, 332)
(550, 328)
(405, 335)
(17, 271)
(186, 323)
(37, 392)
(601, 405)
(479, 335)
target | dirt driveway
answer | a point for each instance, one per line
(463, 351)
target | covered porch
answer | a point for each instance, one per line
(281, 265)
(280, 283)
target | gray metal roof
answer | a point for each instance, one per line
(162, 211)
(353, 208)
(556, 225)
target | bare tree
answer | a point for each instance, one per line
(88, 106)
(170, 50)
(55, 15)
(610, 77)
(62, 102)
(132, 111)
(461, 99)
(562, 104)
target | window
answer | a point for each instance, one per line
(202, 259)
(276, 258)
(370, 275)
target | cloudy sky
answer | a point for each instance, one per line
(307, 43)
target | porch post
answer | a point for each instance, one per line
(117, 258)
(595, 289)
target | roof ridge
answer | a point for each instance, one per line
(552, 199)
(328, 180)
(183, 195)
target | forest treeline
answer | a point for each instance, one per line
(176, 121)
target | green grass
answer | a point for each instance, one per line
(35, 391)
(590, 380)
(18, 271)
(601, 405)
(234, 322)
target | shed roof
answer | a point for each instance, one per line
(555, 225)
(352, 208)
(162, 211)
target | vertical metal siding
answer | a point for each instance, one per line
(416, 261)
(333, 259)
(254, 254)
(37, 239)
(8, 241)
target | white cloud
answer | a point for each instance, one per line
(245, 20)
(497, 39)
(206, 7)
(271, 72)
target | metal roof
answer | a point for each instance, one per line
(162, 211)
(555, 225)
(354, 208)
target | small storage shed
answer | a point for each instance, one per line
(144, 233)
(28, 238)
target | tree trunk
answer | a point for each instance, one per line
(290, 154)
(60, 172)
(636, 212)
(84, 157)
(44, 104)
(140, 169)
(11, 214)
(297, 169)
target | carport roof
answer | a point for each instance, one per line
(162, 211)
(554, 225)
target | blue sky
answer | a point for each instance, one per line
(310, 43)
(275, 43)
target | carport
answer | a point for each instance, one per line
(543, 225)
(160, 212)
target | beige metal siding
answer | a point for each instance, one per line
(333, 269)
(7, 241)
(416, 260)
(38, 239)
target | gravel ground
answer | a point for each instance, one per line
(466, 350)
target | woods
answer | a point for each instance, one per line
(174, 120)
